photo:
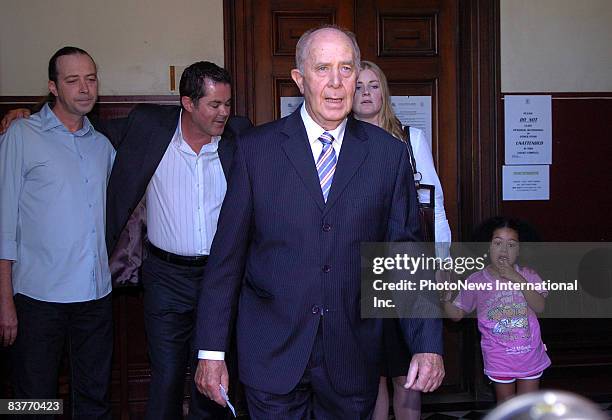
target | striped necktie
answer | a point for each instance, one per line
(326, 164)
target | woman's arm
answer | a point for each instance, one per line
(425, 165)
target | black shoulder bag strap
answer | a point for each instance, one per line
(417, 174)
(426, 211)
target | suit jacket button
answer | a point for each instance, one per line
(326, 268)
(326, 227)
(315, 309)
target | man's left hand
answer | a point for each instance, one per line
(425, 373)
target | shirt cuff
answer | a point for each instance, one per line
(8, 249)
(211, 355)
(442, 250)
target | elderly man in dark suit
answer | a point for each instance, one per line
(304, 192)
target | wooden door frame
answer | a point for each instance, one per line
(478, 99)
(478, 105)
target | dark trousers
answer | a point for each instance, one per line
(313, 397)
(87, 330)
(170, 305)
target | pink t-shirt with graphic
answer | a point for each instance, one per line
(511, 342)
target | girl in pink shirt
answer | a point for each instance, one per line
(513, 353)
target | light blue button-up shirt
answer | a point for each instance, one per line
(52, 208)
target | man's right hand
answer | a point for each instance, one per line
(13, 114)
(8, 321)
(209, 375)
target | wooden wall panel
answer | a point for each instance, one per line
(407, 35)
(580, 204)
(288, 26)
(107, 106)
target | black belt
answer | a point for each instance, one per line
(195, 261)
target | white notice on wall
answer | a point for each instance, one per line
(528, 122)
(526, 182)
(414, 111)
(288, 104)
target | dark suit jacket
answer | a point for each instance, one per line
(282, 254)
(141, 140)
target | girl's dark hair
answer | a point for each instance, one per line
(484, 231)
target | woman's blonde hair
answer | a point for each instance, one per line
(386, 116)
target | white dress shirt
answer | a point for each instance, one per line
(184, 197)
(314, 131)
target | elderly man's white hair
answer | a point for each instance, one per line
(301, 49)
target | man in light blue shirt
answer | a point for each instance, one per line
(55, 282)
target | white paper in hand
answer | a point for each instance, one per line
(226, 398)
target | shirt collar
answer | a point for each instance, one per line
(314, 130)
(180, 142)
(50, 121)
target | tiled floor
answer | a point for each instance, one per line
(467, 414)
(479, 414)
(447, 415)
(472, 414)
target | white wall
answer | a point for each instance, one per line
(133, 41)
(546, 45)
(556, 45)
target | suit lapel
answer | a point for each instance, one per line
(299, 153)
(137, 160)
(352, 155)
(160, 138)
(226, 150)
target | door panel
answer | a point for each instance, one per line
(415, 44)
(278, 24)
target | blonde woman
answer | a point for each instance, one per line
(372, 104)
